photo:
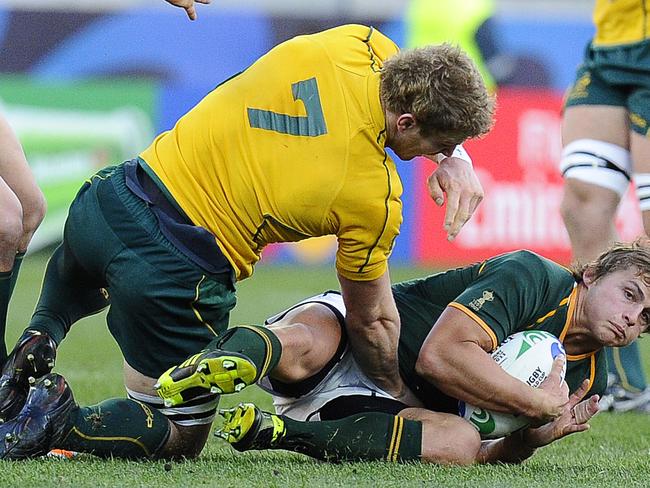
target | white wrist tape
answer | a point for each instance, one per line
(459, 152)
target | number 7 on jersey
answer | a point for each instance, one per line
(311, 125)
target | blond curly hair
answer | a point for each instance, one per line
(443, 89)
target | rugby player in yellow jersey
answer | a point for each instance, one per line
(291, 148)
(606, 145)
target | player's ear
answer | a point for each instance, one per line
(405, 122)
(589, 276)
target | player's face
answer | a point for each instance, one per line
(617, 307)
(404, 138)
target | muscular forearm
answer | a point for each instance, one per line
(374, 346)
(454, 357)
(467, 372)
(373, 326)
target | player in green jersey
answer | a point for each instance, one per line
(450, 322)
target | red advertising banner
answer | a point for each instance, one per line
(517, 164)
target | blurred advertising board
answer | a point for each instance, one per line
(517, 164)
(70, 130)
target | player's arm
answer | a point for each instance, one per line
(373, 326)
(455, 358)
(521, 445)
(368, 220)
(188, 6)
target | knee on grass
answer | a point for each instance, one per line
(184, 442)
(452, 441)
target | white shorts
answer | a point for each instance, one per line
(345, 378)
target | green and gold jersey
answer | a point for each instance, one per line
(621, 22)
(509, 293)
(291, 148)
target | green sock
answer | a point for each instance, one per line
(625, 364)
(5, 296)
(259, 344)
(7, 285)
(18, 260)
(360, 437)
(118, 427)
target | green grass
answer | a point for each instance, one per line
(615, 452)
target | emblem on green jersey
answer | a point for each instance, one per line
(483, 421)
(477, 303)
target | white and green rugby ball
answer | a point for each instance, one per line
(528, 356)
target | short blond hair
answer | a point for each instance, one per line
(619, 256)
(443, 89)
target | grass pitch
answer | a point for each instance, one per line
(615, 452)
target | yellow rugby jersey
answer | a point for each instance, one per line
(291, 148)
(621, 21)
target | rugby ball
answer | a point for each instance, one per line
(528, 356)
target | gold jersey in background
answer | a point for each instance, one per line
(291, 148)
(621, 22)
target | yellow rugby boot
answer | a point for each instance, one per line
(247, 427)
(215, 371)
